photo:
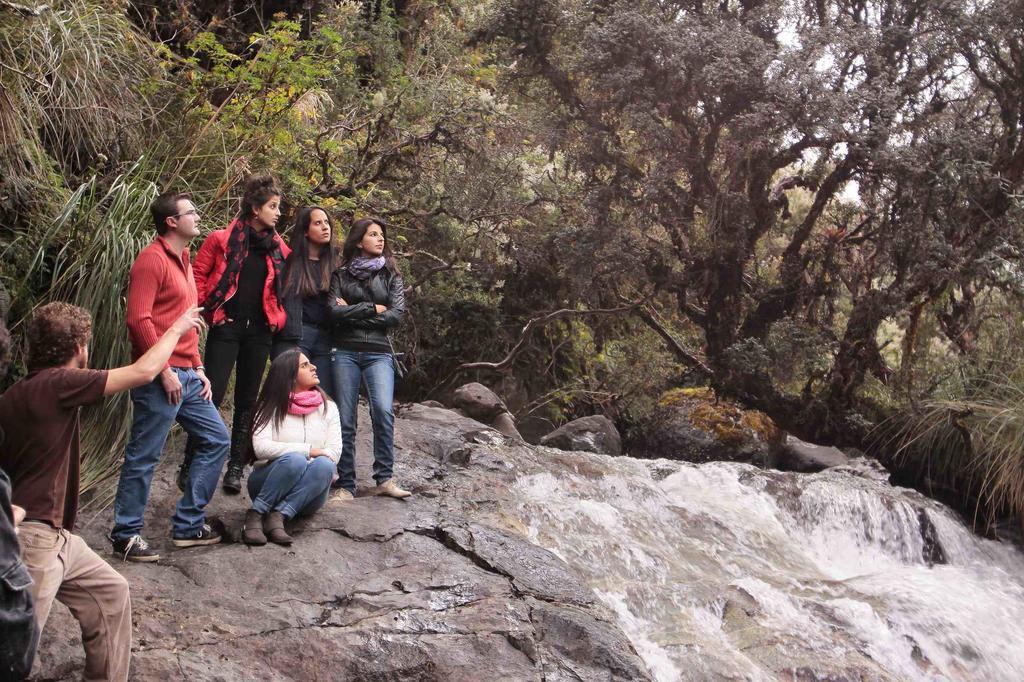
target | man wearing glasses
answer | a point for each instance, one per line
(160, 289)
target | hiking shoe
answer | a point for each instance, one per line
(203, 536)
(273, 526)
(135, 548)
(252, 528)
(341, 495)
(232, 483)
(389, 489)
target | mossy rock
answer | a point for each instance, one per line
(694, 424)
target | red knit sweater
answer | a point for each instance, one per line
(160, 289)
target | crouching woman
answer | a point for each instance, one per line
(296, 443)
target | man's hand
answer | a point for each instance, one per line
(381, 309)
(339, 301)
(172, 385)
(207, 392)
(189, 320)
(19, 516)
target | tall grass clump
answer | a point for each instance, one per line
(73, 90)
(84, 258)
(973, 444)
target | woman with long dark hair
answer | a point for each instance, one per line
(367, 301)
(296, 442)
(238, 277)
(307, 279)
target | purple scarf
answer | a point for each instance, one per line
(363, 268)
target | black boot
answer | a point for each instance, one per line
(186, 463)
(240, 444)
(232, 483)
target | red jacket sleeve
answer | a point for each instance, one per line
(145, 280)
(206, 263)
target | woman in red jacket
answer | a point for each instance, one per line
(238, 277)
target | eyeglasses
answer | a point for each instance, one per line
(192, 212)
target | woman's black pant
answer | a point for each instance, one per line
(244, 346)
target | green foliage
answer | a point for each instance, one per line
(84, 258)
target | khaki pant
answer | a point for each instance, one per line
(63, 566)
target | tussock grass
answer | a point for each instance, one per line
(84, 258)
(973, 443)
(72, 88)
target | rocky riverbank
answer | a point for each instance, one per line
(443, 586)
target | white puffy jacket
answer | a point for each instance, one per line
(299, 433)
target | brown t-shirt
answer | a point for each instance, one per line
(40, 451)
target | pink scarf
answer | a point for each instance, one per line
(305, 402)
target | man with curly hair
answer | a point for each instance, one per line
(39, 416)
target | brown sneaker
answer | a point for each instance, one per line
(273, 526)
(389, 489)
(252, 531)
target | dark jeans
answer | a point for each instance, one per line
(152, 418)
(19, 633)
(316, 344)
(291, 484)
(246, 346)
(377, 372)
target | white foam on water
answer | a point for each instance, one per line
(834, 564)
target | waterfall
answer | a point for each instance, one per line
(725, 571)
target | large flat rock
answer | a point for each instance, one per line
(442, 586)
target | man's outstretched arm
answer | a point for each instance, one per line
(145, 369)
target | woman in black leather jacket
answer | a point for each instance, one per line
(367, 301)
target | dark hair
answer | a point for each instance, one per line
(272, 405)
(55, 333)
(165, 206)
(299, 275)
(350, 249)
(259, 189)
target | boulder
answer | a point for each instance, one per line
(595, 433)
(798, 455)
(432, 403)
(694, 425)
(479, 402)
(534, 428)
(505, 424)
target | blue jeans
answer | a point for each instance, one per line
(376, 371)
(152, 418)
(291, 484)
(316, 344)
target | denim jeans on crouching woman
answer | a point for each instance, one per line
(376, 371)
(291, 484)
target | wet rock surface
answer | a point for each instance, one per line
(595, 433)
(442, 586)
(478, 402)
(798, 455)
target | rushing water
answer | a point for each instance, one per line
(725, 571)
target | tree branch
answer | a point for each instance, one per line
(531, 326)
(673, 344)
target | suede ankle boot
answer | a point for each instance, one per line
(273, 526)
(252, 529)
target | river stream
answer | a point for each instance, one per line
(725, 571)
